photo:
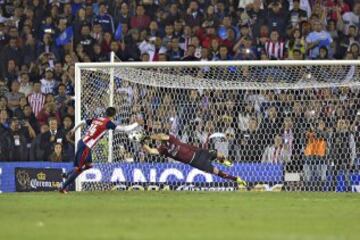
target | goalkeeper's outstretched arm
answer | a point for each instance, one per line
(127, 128)
(160, 137)
(150, 150)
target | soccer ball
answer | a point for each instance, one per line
(136, 136)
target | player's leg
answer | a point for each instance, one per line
(202, 161)
(225, 175)
(82, 158)
(215, 155)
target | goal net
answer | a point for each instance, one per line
(285, 125)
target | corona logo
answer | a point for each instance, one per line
(41, 176)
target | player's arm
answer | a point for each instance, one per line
(126, 128)
(160, 137)
(150, 150)
(80, 125)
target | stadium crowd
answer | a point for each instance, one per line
(40, 40)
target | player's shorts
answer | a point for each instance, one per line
(83, 155)
(202, 160)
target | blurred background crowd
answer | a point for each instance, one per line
(40, 40)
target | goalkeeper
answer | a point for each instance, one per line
(97, 128)
(189, 154)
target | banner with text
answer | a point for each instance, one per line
(37, 179)
(178, 172)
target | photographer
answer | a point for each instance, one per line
(17, 139)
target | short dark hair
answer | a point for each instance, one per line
(110, 112)
(52, 119)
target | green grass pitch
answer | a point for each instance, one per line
(179, 216)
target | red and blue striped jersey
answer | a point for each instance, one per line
(98, 127)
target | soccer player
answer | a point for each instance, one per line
(98, 127)
(188, 154)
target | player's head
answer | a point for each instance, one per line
(110, 112)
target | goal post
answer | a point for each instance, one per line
(282, 122)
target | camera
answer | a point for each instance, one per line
(48, 30)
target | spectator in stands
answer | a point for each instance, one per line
(184, 30)
(296, 42)
(189, 54)
(36, 99)
(193, 16)
(11, 72)
(152, 47)
(14, 96)
(323, 53)
(4, 125)
(175, 53)
(354, 49)
(36, 151)
(57, 154)
(86, 40)
(11, 52)
(61, 98)
(29, 49)
(296, 14)
(123, 16)
(168, 36)
(3, 88)
(316, 39)
(131, 51)
(316, 157)
(275, 49)
(245, 114)
(16, 139)
(49, 138)
(48, 83)
(29, 117)
(251, 143)
(271, 124)
(26, 87)
(243, 49)
(140, 20)
(18, 112)
(49, 110)
(279, 152)
(348, 18)
(276, 19)
(343, 147)
(68, 143)
(78, 22)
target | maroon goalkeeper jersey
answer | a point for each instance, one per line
(177, 150)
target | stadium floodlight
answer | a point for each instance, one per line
(182, 95)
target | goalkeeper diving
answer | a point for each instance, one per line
(97, 128)
(188, 154)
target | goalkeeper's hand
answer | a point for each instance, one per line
(145, 139)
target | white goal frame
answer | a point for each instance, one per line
(113, 65)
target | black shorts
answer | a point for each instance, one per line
(202, 160)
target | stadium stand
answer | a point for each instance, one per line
(41, 40)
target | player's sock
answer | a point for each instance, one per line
(71, 178)
(226, 175)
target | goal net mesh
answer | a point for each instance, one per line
(303, 119)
